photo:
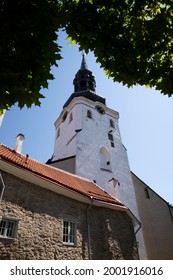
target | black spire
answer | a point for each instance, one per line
(84, 80)
(84, 85)
(83, 63)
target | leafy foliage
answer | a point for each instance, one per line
(131, 39)
(28, 49)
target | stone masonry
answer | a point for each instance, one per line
(40, 228)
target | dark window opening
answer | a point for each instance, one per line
(147, 195)
(110, 137)
(70, 117)
(111, 123)
(89, 114)
(64, 116)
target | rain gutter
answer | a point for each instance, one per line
(88, 227)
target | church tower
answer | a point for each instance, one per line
(88, 142)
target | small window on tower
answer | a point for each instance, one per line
(111, 138)
(112, 124)
(64, 116)
(70, 117)
(89, 114)
(147, 195)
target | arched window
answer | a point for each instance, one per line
(89, 114)
(112, 123)
(105, 159)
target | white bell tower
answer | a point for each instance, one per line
(88, 142)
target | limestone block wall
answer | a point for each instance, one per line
(40, 228)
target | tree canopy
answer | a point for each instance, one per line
(28, 49)
(132, 40)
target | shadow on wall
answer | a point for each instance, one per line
(115, 238)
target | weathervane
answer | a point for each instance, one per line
(83, 53)
(83, 64)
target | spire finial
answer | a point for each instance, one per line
(83, 64)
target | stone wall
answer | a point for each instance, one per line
(39, 235)
(112, 235)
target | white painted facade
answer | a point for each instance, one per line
(93, 137)
(96, 159)
(87, 139)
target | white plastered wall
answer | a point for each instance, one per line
(85, 137)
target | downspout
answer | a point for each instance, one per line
(138, 229)
(135, 220)
(88, 227)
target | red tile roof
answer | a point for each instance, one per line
(57, 176)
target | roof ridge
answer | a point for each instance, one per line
(57, 175)
(47, 165)
(66, 172)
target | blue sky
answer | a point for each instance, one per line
(145, 121)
